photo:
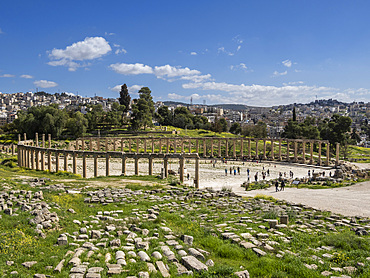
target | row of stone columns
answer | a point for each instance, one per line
(34, 158)
(224, 147)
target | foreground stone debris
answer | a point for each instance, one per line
(112, 241)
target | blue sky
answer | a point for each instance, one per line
(259, 53)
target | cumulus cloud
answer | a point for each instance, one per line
(132, 89)
(241, 66)
(27, 76)
(193, 53)
(165, 72)
(121, 50)
(169, 71)
(7, 75)
(45, 84)
(88, 49)
(287, 63)
(131, 69)
(263, 95)
(276, 73)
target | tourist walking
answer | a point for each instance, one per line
(282, 185)
(277, 185)
(225, 171)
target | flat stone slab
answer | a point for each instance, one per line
(259, 252)
(193, 263)
(162, 269)
(247, 245)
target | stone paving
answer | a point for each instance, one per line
(123, 243)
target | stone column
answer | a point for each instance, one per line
(165, 166)
(98, 144)
(114, 144)
(153, 149)
(264, 149)
(83, 143)
(272, 149)
(95, 165)
(295, 151)
(168, 145)
(327, 154)
(160, 145)
(37, 139)
(77, 145)
(196, 178)
(137, 146)
(122, 145)
(219, 148)
(197, 145)
(337, 155)
(65, 161)
(106, 144)
(150, 165)
(124, 165)
(249, 149)
(144, 146)
(311, 152)
(129, 145)
(174, 146)
(304, 150)
(287, 150)
(182, 146)
(211, 147)
(28, 155)
(182, 160)
(37, 159)
(24, 136)
(319, 153)
(227, 148)
(43, 140)
(42, 160)
(84, 165)
(234, 148)
(204, 148)
(57, 161)
(280, 150)
(136, 166)
(91, 144)
(74, 163)
(189, 145)
(257, 149)
(19, 137)
(107, 164)
(49, 139)
(242, 148)
(49, 161)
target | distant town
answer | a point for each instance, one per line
(275, 117)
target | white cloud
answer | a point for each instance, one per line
(27, 76)
(169, 71)
(276, 73)
(7, 75)
(131, 69)
(122, 50)
(88, 49)
(241, 66)
(222, 50)
(267, 95)
(193, 53)
(109, 34)
(165, 72)
(45, 84)
(132, 89)
(287, 63)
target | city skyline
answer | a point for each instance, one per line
(255, 53)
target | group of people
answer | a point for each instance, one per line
(233, 170)
(282, 185)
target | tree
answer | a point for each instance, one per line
(77, 125)
(142, 110)
(95, 116)
(124, 98)
(235, 128)
(220, 125)
(335, 130)
(294, 115)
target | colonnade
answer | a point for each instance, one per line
(41, 158)
(296, 150)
